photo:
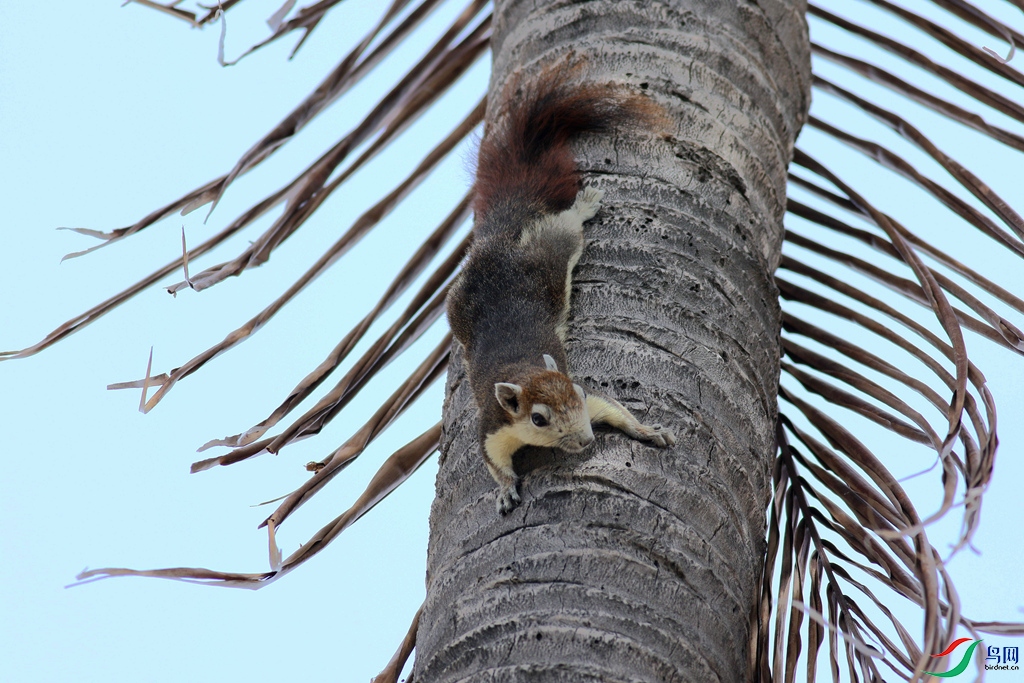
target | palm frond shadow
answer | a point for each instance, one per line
(844, 534)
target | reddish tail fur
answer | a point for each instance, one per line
(526, 156)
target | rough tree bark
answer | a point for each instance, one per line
(628, 562)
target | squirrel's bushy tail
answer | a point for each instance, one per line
(526, 158)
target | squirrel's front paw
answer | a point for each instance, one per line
(508, 499)
(657, 435)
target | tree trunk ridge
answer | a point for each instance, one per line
(626, 562)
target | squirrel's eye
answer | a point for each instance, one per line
(539, 420)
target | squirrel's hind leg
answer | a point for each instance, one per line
(555, 230)
(587, 203)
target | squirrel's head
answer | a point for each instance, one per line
(547, 409)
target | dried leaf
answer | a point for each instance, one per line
(383, 350)
(359, 229)
(393, 670)
(395, 470)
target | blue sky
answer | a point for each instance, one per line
(109, 112)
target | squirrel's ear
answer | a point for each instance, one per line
(508, 396)
(550, 363)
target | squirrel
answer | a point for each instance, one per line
(509, 305)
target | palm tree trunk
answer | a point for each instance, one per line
(627, 562)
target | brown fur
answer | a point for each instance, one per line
(527, 155)
(552, 388)
(509, 304)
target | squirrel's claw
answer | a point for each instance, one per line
(588, 202)
(508, 499)
(657, 435)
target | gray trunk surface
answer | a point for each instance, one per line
(626, 562)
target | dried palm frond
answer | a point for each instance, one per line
(458, 47)
(849, 263)
(874, 314)
(390, 673)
